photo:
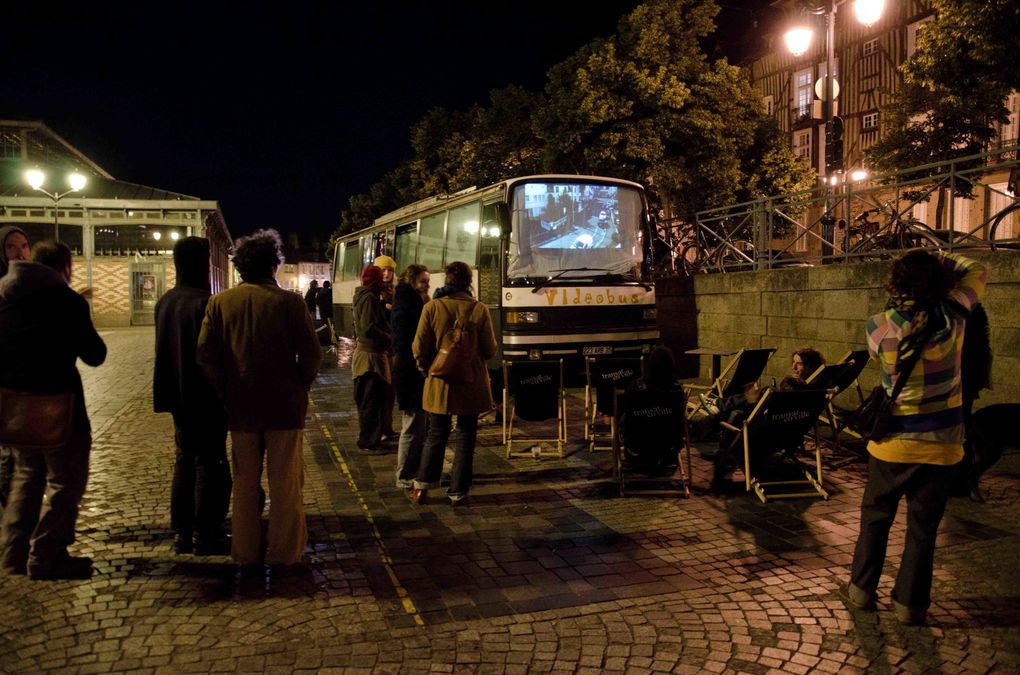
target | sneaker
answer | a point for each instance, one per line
(458, 500)
(910, 616)
(66, 567)
(374, 450)
(213, 546)
(856, 599)
(182, 543)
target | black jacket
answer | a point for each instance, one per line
(408, 381)
(178, 384)
(45, 327)
(324, 300)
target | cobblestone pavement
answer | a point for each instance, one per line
(546, 570)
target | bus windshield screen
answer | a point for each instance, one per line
(558, 226)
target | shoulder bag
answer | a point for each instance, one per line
(458, 348)
(38, 422)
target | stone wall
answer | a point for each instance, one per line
(824, 306)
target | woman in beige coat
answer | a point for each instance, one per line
(465, 397)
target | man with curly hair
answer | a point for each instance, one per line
(258, 349)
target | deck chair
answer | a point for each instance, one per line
(837, 378)
(773, 435)
(649, 432)
(533, 392)
(602, 377)
(744, 369)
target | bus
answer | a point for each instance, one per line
(563, 262)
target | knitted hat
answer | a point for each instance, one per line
(371, 276)
(384, 261)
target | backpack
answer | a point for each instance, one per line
(458, 349)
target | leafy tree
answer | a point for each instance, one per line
(953, 87)
(646, 103)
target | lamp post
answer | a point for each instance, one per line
(36, 177)
(798, 40)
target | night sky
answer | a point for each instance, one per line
(279, 111)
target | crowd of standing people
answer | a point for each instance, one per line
(243, 361)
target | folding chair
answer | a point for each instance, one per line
(602, 376)
(533, 392)
(649, 432)
(772, 436)
(837, 378)
(326, 335)
(743, 370)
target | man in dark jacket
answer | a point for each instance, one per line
(45, 327)
(258, 349)
(14, 245)
(324, 301)
(200, 494)
(310, 295)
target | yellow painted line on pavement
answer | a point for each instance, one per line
(405, 597)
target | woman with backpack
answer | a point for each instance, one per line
(453, 341)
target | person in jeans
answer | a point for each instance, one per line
(409, 298)
(200, 492)
(930, 297)
(258, 349)
(441, 398)
(45, 327)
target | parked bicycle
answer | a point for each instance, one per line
(723, 249)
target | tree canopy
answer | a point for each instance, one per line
(644, 104)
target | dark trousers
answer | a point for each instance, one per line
(926, 487)
(370, 397)
(431, 469)
(37, 531)
(200, 494)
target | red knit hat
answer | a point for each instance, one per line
(371, 276)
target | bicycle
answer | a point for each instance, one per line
(898, 233)
(707, 251)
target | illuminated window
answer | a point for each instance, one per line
(803, 93)
(802, 144)
(870, 47)
(870, 121)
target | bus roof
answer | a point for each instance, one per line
(442, 202)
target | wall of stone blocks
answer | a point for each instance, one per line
(824, 306)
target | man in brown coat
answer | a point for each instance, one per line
(258, 349)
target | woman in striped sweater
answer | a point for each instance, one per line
(931, 296)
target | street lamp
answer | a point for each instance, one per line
(798, 40)
(36, 178)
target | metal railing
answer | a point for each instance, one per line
(963, 203)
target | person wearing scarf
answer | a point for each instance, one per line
(930, 297)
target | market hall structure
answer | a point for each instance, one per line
(121, 234)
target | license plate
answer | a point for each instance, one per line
(596, 351)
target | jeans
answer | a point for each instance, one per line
(409, 450)
(370, 397)
(431, 469)
(200, 495)
(288, 532)
(36, 531)
(926, 487)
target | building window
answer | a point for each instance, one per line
(802, 93)
(802, 144)
(870, 121)
(913, 31)
(870, 47)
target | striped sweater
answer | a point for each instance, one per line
(929, 407)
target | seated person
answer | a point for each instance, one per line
(735, 409)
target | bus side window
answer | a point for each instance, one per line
(462, 234)
(488, 256)
(430, 241)
(406, 246)
(352, 261)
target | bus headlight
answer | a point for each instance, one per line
(649, 314)
(521, 317)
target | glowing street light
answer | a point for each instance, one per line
(857, 175)
(36, 178)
